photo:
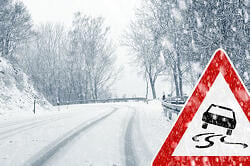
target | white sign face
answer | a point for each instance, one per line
(219, 127)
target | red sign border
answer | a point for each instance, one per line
(219, 63)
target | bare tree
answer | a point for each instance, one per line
(143, 43)
(90, 45)
(44, 59)
(168, 16)
(71, 65)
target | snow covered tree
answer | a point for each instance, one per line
(15, 26)
(92, 54)
(221, 24)
(70, 66)
(43, 57)
(191, 30)
(142, 39)
(168, 21)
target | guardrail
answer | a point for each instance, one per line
(171, 108)
(176, 100)
(136, 99)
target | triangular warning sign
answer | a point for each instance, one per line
(213, 128)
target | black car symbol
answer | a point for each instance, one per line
(220, 116)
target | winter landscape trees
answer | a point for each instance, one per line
(187, 32)
(174, 38)
(92, 56)
(65, 64)
(43, 57)
(142, 41)
(15, 26)
(222, 24)
(71, 65)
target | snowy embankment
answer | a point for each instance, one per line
(151, 130)
(16, 91)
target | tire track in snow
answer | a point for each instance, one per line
(24, 122)
(136, 149)
(10, 124)
(49, 151)
(145, 155)
(26, 126)
(130, 155)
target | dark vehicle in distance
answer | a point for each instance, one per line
(220, 116)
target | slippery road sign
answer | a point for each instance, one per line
(214, 126)
(220, 116)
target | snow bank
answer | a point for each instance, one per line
(16, 90)
(155, 126)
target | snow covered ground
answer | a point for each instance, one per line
(93, 134)
(16, 90)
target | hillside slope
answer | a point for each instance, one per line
(16, 90)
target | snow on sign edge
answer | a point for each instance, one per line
(219, 63)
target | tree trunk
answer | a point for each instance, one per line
(95, 90)
(179, 74)
(146, 86)
(176, 81)
(6, 48)
(152, 84)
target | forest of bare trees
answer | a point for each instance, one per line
(175, 38)
(70, 65)
(186, 33)
(65, 64)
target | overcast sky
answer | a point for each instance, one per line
(117, 13)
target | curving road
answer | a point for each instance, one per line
(83, 135)
(48, 152)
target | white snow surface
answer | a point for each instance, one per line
(92, 134)
(16, 90)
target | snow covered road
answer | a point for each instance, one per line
(96, 134)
